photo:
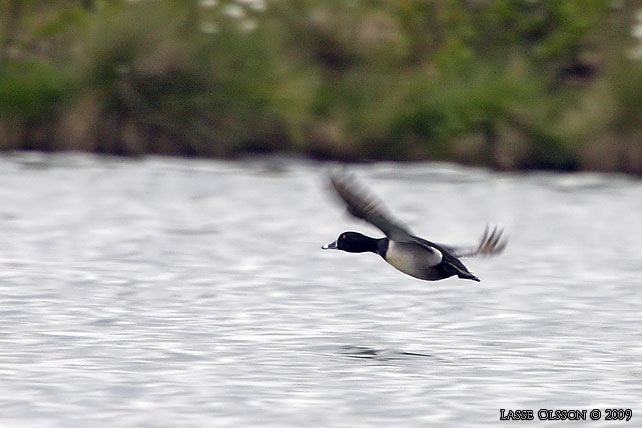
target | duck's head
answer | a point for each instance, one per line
(353, 242)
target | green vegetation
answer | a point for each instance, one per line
(512, 84)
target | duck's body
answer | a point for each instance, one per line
(407, 253)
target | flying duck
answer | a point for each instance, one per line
(406, 252)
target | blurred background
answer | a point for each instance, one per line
(167, 291)
(511, 84)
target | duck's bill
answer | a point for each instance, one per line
(330, 246)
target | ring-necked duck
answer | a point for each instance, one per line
(406, 252)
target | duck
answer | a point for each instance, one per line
(402, 249)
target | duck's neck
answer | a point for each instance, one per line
(372, 245)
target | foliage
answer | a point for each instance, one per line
(523, 80)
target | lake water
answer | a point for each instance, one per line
(189, 293)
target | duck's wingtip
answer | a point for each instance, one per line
(492, 243)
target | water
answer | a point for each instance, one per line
(178, 293)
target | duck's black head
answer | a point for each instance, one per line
(353, 242)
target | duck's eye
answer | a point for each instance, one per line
(343, 237)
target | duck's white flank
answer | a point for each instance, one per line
(405, 257)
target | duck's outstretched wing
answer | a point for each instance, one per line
(366, 207)
(490, 244)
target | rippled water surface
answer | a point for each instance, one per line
(174, 293)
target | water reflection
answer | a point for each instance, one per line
(380, 354)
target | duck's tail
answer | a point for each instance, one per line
(467, 275)
(455, 267)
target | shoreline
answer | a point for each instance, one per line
(278, 158)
